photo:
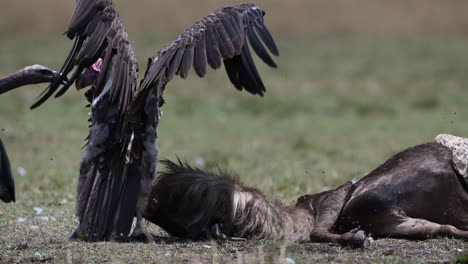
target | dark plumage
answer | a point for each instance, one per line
(7, 185)
(119, 165)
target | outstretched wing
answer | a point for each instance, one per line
(220, 36)
(98, 32)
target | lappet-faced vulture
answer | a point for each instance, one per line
(119, 164)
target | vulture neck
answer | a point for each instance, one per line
(20, 78)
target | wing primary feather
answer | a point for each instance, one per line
(200, 60)
(243, 73)
(238, 25)
(175, 63)
(123, 85)
(157, 66)
(233, 36)
(187, 61)
(212, 49)
(258, 48)
(251, 71)
(128, 87)
(92, 24)
(117, 77)
(267, 38)
(232, 71)
(64, 70)
(72, 52)
(225, 44)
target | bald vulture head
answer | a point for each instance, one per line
(33, 74)
(89, 75)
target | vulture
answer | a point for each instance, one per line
(33, 74)
(119, 164)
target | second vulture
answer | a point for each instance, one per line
(119, 164)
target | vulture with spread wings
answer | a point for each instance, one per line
(119, 163)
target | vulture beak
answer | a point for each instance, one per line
(89, 76)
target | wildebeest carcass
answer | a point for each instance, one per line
(419, 193)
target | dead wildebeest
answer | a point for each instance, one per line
(419, 193)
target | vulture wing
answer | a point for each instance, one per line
(221, 36)
(98, 32)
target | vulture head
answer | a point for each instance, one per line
(39, 74)
(89, 75)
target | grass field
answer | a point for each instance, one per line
(337, 107)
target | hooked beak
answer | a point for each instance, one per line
(86, 79)
(56, 75)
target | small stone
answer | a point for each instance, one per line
(21, 171)
(38, 210)
(200, 161)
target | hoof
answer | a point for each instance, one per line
(358, 239)
(353, 239)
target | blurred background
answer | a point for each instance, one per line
(357, 81)
(285, 17)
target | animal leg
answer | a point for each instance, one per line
(215, 232)
(326, 208)
(348, 239)
(413, 228)
(140, 233)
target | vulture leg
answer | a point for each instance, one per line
(140, 233)
(146, 149)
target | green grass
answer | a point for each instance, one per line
(336, 108)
